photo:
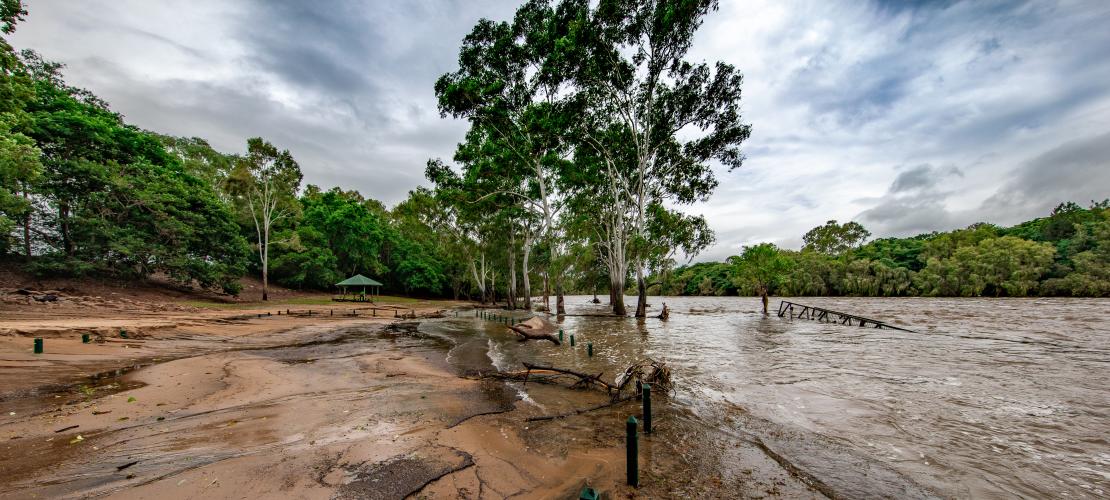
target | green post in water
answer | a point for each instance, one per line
(647, 408)
(572, 340)
(588, 493)
(632, 456)
(85, 338)
(590, 349)
(560, 335)
(123, 334)
(38, 345)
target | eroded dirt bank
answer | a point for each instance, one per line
(324, 407)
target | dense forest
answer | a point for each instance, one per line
(1066, 253)
(569, 179)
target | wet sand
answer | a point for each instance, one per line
(219, 404)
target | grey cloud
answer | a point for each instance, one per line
(311, 45)
(921, 177)
(914, 203)
(1075, 171)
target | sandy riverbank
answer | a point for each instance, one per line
(229, 404)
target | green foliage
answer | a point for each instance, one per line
(760, 269)
(981, 260)
(110, 200)
(11, 12)
(895, 252)
(702, 278)
(20, 169)
(835, 239)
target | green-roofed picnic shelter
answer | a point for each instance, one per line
(358, 280)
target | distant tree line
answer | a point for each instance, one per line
(1064, 254)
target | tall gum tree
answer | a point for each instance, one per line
(626, 61)
(516, 104)
(264, 184)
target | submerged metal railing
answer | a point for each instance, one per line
(830, 316)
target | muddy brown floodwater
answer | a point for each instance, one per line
(987, 398)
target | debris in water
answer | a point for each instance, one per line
(126, 465)
(63, 429)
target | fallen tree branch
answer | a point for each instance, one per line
(583, 378)
(491, 412)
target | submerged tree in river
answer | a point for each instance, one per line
(761, 267)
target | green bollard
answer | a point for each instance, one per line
(590, 349)
(588, 493)
(85, 338)
(38, 345)
(123, 334)
(560, 336)
(632, 456)
(647, 408)
(572, 340)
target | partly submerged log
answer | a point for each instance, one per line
(645, 371)
(528, 334)
(584, 379)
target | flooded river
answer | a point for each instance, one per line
(987, 398)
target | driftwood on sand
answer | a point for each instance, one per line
(646, 371)
(527, 334)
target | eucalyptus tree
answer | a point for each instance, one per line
(626, 60)
(515, 100)
(465, 215)
(264, 184)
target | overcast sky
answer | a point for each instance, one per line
(906, 118)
